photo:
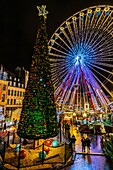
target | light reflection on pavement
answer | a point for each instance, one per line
(86, 162)
(89, 162)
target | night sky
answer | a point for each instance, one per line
(19, 24)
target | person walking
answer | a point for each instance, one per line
(88, 143)
(77, 128)
(73, 140)
(4, 126)
(83, 140)
(71, 121)
(69, 136)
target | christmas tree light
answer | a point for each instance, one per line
(38, 118)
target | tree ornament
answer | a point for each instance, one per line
(22, 154)
(16, 149)
(42, 154)
(48, 142)
(55, 143)
(42, 11)
(46, 149)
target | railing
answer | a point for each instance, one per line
(12, 138)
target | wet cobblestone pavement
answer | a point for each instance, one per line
(84, 161)
(89, 162)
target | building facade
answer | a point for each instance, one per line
(12, 92)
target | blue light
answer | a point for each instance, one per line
(78, 58)
(98, 13)
(90, 14)
(107, 13)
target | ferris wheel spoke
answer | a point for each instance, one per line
(102, 64)
(101, 43)
(76, 31)
(100, 68)
(106, 22)
(64, 43)
(67, 37)
(98, 39)
(102, 84)
(95, 36)
(92, 31)
(107, 79)
(93, 85)
(97, 89)
(101, 58)
(58, 48)
(68, 24)
(93, 96)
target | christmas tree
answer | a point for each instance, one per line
(38, 119)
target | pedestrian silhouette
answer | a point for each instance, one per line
(69, 136)
(88, 143)
(73, 140)
(77, 128)
(4, 126)
(83, 144)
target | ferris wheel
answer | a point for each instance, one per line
(81, 59)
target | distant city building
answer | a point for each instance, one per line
(12, 89)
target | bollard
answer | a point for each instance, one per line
(13, 137)
(8, 138)
(65, 153)
(19, 157)
(60, 132)
(42, 153)
(4, 151)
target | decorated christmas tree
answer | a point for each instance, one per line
(38, 118)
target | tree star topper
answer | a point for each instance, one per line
(42, 11)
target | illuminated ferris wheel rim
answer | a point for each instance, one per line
(63, 65)
(85, 9)
(70, 20)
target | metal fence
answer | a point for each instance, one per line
(12, 138)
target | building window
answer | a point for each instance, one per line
(14, 101)
(20, 94)
(17, 102)
(10, 83)
(11, 101)
(7, 101)
(3, 97)
(20, 101)
(3, 87)
(15, 93)
(9, 92)
(14, 83)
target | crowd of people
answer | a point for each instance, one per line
(85, 141)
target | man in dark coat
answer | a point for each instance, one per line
(4, 126)
(73, 140)
(83, 144)
(88, 143)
